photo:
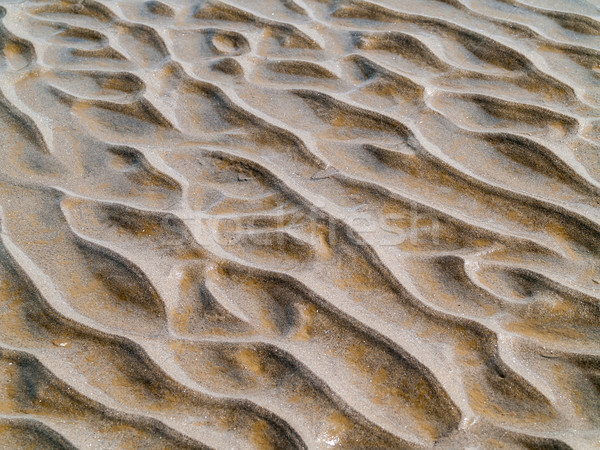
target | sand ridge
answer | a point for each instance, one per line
(299, 223)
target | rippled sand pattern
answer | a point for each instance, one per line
(300, 223)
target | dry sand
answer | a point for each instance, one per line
(300, 223)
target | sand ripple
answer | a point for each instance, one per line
(287, 223)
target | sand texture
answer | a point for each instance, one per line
(299, 224)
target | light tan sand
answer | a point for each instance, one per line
(300, 223)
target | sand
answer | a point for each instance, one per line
(300, 223)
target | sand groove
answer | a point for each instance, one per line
(294, 224)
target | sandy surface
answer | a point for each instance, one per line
(300, 223)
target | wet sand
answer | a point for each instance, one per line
(300, 223)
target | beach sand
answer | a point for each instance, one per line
(300, 223)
